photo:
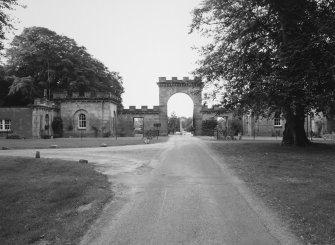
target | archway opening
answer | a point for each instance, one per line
(180, 114)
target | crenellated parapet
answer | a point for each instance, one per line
(175, 82)
(90, 96)
(132, 110)
(44, 103)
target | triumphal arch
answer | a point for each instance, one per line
(151, 117)
(192, 88)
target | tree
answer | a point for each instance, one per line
(187, 123)
(5, 20)
(41, 59)
(270, 56)
(173, 123)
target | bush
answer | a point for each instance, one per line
(57, 127)
(45, 136)
(13, 136)
(208, 127)
(107, 134)
(235, 127)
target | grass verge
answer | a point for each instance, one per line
(48, 200)
(74, 142)
(298, 183)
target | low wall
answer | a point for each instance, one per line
(21, 121)
(125, 121)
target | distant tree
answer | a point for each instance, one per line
(270, 56)
(173, 123)
(187, 123)
(4, 86)
(41, 59)
(5, 19)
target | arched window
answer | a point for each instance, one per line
(82, 121)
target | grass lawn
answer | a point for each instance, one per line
(48, 200)
(298, 183)
(74, 142)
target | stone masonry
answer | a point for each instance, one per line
(192, 88)
(100, 110)
(125, 126)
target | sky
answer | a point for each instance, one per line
(142, 40)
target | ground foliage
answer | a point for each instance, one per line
(74, 142)
(40, 59)
(298, 183)
(270, 56)
(40, 200)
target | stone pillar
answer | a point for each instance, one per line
(181, 126)
(197, 118)
(163, 119)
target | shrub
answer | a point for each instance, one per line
(107, 134)
(235, 127)
(13, 136)
(208, 127)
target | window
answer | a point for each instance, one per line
(5, 125)
(82, 121)
(277, 122)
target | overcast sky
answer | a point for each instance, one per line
(142, 40)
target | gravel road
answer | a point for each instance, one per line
(176, 192)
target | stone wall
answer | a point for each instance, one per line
(262, 126)
(21, 120)
(125, 126)
(100, 119)
(43, 113)
(32, 121)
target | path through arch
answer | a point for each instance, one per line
(192, 88)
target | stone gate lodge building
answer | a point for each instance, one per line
(97, 114)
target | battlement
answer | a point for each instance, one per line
(43, 102)
(142, 110)
(184, 82)
(64, 95)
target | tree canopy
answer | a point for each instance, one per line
(41, 59)
(5, 19)
(173, 123)
(270, 56)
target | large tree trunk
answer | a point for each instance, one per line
(294, 132)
